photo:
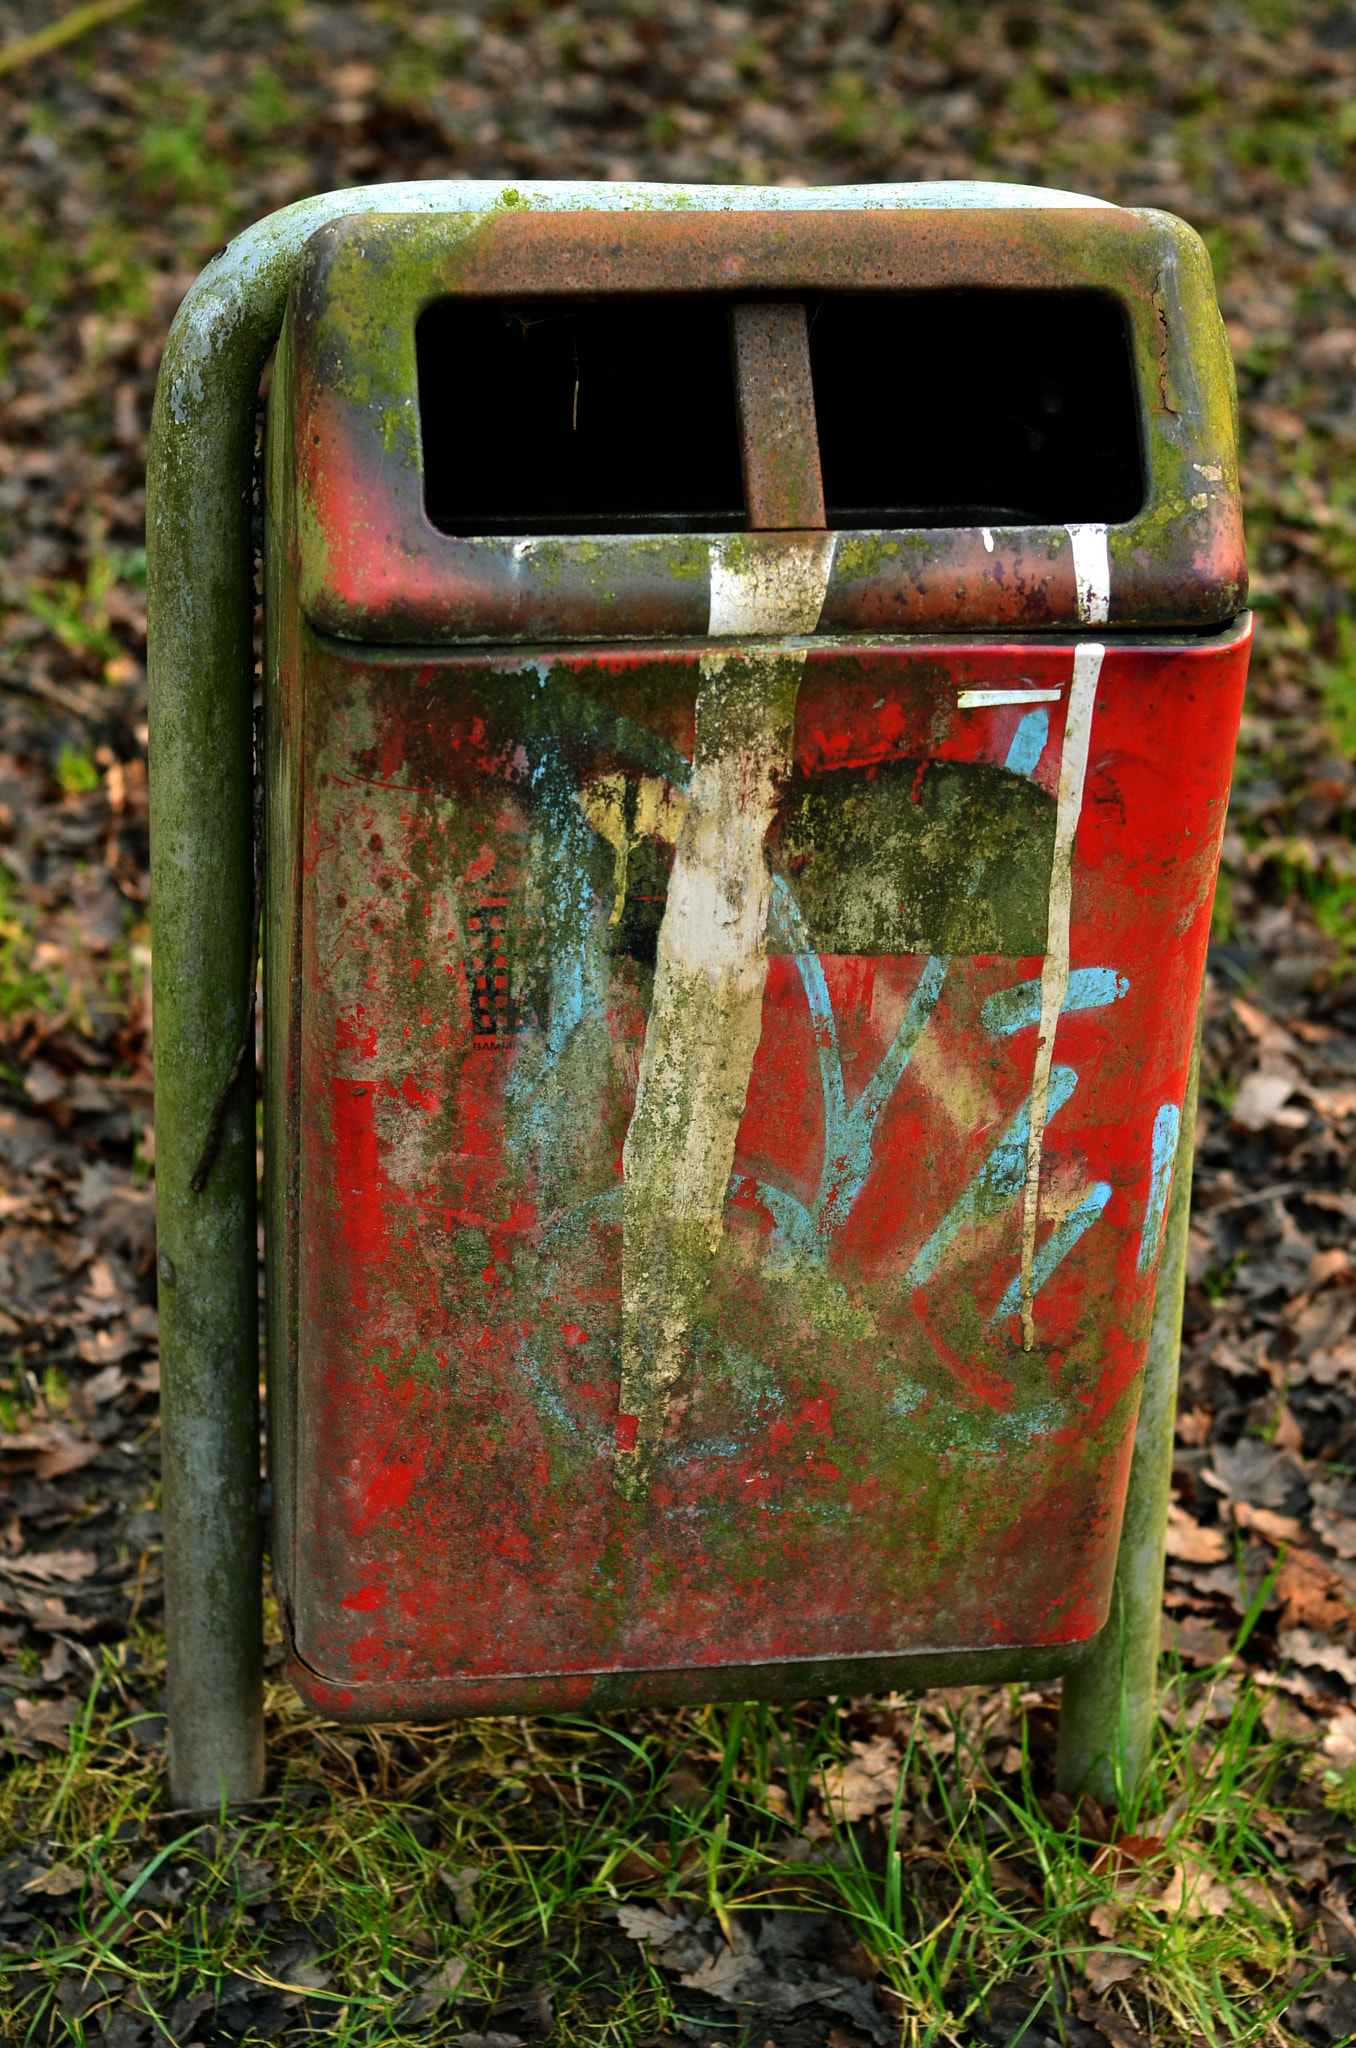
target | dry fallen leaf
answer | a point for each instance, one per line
(1337, 1531)
(1104, 1967)
(866, 1783)
(1275, 1528)
(1334, 1103)
(66, 1458)
(1130, 1853)
(1007, 1877)
(105, 1386)
(1254, 1893)
(1193, 1889)
(53, 1615)
(1194, 1639)
(1190, 1543)
(56, 1883)
(1261, 1101)
(1288, 1434)
(46, 1565)
(1194, 1426)
(45, 1721)
(104, 1348)
(1254, 1021)
(1282, 1717)
(1339, 1744)
(435, 1989)
(648, 1923)
(1311, 1595)
(462, 1885)
(1303, 1646)
(1112, 2026)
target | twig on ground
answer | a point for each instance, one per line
(64, 30)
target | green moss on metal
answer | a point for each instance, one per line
(925, 857)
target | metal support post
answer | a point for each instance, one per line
(1109, 1701)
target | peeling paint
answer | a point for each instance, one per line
(359, 284)
(468, 1308)
(623, 813)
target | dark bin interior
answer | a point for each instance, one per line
(976, 408)
(934, 409)
(611, 416)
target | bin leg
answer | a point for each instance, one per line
(201, 677)
(1109, 1701)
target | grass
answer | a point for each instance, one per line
(22, 987)
(494, 1854)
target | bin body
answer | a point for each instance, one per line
(742, 997)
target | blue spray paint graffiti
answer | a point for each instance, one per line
(1057, 1246)
(1012, 1009)
(803, 1233)
(998, 1182)
(806, 1233)
(1163, 1154)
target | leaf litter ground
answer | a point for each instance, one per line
(836, 1873)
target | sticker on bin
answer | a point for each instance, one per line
(981, 700)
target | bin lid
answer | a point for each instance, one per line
(567, 412)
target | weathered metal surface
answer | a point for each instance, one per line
(728, 1393)
(200, 576)
(370, 566)
(200, 660)
(774, 391)
(1110, 1701)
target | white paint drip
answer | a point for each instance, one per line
(702, 1034)
(769, 583)
(979, 700)
(1092, 573)
(1073, 767)
(987, 532)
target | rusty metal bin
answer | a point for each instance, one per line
(750, 690)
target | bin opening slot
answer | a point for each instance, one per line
(968, 408)
(618, 415)
(593, 416)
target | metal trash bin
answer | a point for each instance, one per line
(751, 682)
